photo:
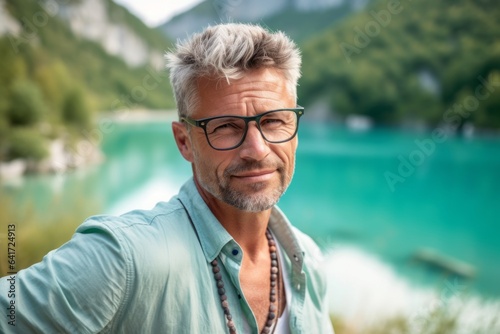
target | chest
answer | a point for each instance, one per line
(263, 293)
(256, 286)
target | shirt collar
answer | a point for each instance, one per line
(282, 230)
(212, 235)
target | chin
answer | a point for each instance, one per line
(256, 201)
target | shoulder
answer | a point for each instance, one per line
(134, 220)
(149, 240)
(138, 225)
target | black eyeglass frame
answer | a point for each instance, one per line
(202, 123)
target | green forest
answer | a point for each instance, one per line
(400, 62)
(53, 83)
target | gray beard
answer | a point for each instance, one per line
(252, 203)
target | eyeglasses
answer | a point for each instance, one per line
(228, 132)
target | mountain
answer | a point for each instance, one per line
(116, 30)
(299, 18)
(111, 26)
(65, 61)
(421, 62)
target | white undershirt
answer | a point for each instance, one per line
(283, 323)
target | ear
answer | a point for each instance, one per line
(183, 140)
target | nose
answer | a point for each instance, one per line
(254, 147)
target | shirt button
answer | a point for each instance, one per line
(235, 252)
(298, 286)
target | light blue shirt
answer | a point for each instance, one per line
(149, 272)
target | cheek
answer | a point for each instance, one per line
(209, 163)
(288, 154)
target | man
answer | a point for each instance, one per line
(219, 257)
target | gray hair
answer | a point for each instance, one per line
(227, 51)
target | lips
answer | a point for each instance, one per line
(255, 173)
(256, 176)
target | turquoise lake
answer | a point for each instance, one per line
(448, 199)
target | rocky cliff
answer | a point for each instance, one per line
(96, 20)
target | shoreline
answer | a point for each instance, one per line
(138, 115)
(62, 157)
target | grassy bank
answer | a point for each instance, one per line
(437, 323)
(34, 239)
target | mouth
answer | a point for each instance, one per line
(256, 176)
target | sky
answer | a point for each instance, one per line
(155, 12)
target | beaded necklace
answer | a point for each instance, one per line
(273, 297)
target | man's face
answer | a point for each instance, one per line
(253, 176)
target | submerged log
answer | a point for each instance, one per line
(433, 258)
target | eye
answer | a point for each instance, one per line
(224, 126)
(271, 121)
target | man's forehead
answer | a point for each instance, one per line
(261, 77)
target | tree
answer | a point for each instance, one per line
(26, 143)
(75, 110)
(26, 104)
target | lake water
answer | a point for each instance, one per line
(446, 195)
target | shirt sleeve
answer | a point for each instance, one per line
(76, 288)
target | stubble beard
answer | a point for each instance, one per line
(253, 199)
